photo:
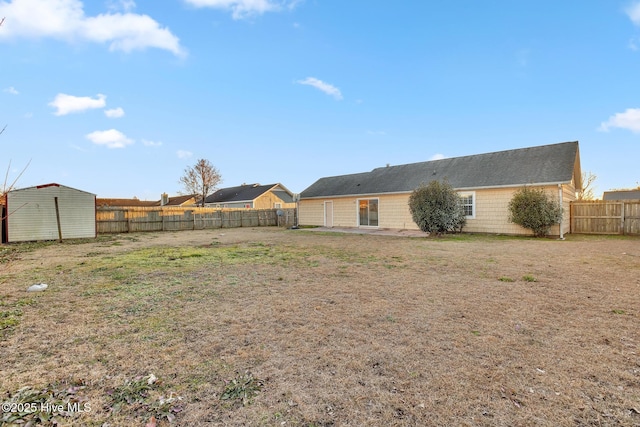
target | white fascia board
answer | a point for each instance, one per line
(534, 184)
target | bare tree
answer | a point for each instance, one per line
(587, 190)
(201, 179)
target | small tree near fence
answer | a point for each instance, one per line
(201, 179)
(437, 208)
(535, 210)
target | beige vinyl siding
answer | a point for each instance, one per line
(311, 212)
(345, 212)
(268, 201)
(491, 211)
(32, 214)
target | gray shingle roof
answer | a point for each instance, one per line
(544, 164)
(621, 195)
(242, 193)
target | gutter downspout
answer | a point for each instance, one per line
(561, 207)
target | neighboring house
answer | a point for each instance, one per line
(621, 195)
(252, 196)
(165, 200)
(105, 202)
(486, 182)
(179, 201)
(49, 212)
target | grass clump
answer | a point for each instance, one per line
(141, 394)
(529, 278)
(243, 388)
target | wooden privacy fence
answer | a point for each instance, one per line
(134, 219)
(606, 217)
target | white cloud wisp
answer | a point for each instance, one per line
(111, 138)
(633, 12)
(114, 113)
(241, 9)
(327, 88)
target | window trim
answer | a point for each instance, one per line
(473, 202)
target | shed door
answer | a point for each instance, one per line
(328, 214)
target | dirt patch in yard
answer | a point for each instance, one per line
(274, 327)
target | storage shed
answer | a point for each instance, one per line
(49, 212)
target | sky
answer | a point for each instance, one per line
(118, 97)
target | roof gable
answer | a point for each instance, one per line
(242, 193)
(44, 186)
(547, 164)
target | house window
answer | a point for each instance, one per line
(368, 212)
(277, 205)
(468, 201)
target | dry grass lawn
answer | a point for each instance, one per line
(273, 327)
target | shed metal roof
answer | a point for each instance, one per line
(546, 164)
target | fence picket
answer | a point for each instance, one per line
(605, 217)
(110, 219)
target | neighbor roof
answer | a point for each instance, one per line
(241, 193)
(546, 164)
(124, 202)
(621, 195)
(177, 200)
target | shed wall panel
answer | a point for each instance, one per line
(32, 214)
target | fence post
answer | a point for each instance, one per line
(622, 219)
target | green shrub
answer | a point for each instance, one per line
(436, 208)
(535, 210)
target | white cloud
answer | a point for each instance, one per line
(12, 90)
(124, 5)
(438, 157)
(183, 154)
(112, 138)
(633, 11)
(65, 20)
(66, 104)
(245, 8)
(148, 143)
(114, 113)
(327, 88)
(629, 120)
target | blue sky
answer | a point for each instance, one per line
(117, 97)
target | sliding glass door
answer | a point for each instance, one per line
(368, 212)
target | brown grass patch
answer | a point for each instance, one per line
(327, 329)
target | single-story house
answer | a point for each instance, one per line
(621, 195)
(165, 200)
(179, 201)
(49, 212)
(135, 202)
(252, 196)
(486, 183)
